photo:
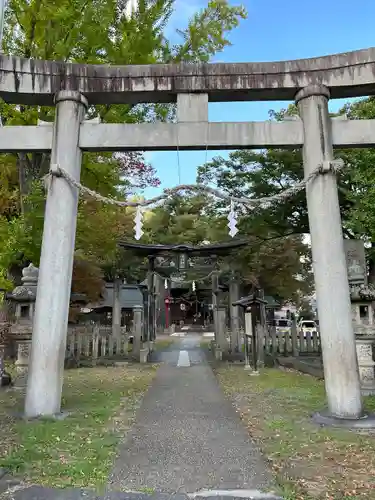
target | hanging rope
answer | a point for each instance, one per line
(188, 282)
(334, 166)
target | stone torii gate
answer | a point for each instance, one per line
(72, 87)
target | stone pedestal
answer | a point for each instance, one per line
(364, 346)
(22, 363)
(362, 297)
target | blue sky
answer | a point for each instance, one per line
(274, 30)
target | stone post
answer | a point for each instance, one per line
(116, 309)
(329, 263)
(45, 382)
(215, 286)
(234, 295)
(221, 316)
(137, 334)
(248, 333)
(151, 300)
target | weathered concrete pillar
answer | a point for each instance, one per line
(137, 333)
(234, 295)
(331, 279)
(116, 308)
(221, 318)
(45, 380)
(248, 333)
(215, 288)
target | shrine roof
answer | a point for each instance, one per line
(214, 249)
(32, 81)
(130, 296)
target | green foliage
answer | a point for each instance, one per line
(266, 173)
(276, 258)
(96, 32)
(181, 219)
(361, 192)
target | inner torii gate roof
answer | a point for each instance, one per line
(215, 249)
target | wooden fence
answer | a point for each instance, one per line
(96, 343)
(292, 342)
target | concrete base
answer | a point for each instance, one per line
(58, 416)
(143, 355)
(367, 422)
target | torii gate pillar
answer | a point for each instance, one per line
(45, 379)
(331, 279)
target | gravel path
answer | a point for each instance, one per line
(188, 436)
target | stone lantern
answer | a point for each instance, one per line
(24, 297)
(362, 299)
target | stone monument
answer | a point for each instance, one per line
(21, 330)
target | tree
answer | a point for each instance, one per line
(266, 173)
(181, 219)
(273, 264)
(96, 31)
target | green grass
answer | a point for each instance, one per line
(161, 344)
(204, 343)
(308, 461)
(78, 451)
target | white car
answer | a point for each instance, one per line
(283, 326)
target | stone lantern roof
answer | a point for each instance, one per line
(27, 291)
(362, 293)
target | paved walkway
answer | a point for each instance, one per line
(188, 437)
(188, 440)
